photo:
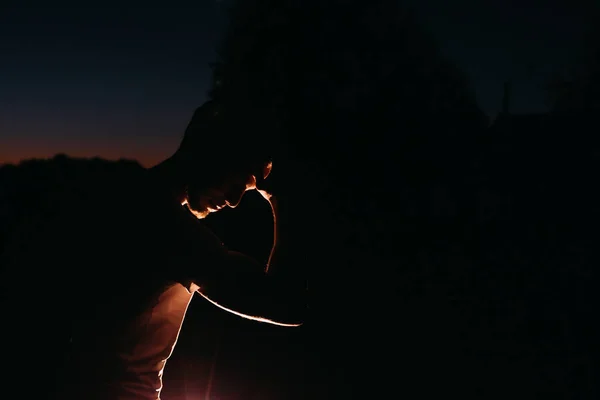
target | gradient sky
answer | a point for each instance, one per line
(123, 81)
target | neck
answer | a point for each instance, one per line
(166, 176)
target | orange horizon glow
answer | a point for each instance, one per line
(144, 161)
(148, 154)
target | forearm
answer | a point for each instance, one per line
(244, 289)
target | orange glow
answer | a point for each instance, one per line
(246, 316)
(153, 151)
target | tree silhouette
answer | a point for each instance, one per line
(36, 189)
(578, 88)
(359, 88)
(377, 127)
(289, 64)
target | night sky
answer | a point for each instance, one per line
(123, 81)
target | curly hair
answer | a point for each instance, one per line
(234, 141)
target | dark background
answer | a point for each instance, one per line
(115, 80)
(446, 221)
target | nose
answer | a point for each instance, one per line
(234, 197)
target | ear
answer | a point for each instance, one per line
(267, 169)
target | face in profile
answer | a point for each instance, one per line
(225, 192)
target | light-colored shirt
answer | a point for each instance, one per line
(155, 332)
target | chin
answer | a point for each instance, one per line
(198, 213)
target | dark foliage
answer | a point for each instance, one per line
(38, 188)
(577, 88)
(444, 257)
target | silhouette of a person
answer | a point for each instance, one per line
(114, 276)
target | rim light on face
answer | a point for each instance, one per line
(195, 213)
(250, 185)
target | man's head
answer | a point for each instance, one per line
(218, 162)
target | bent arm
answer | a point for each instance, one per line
(239, 284)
